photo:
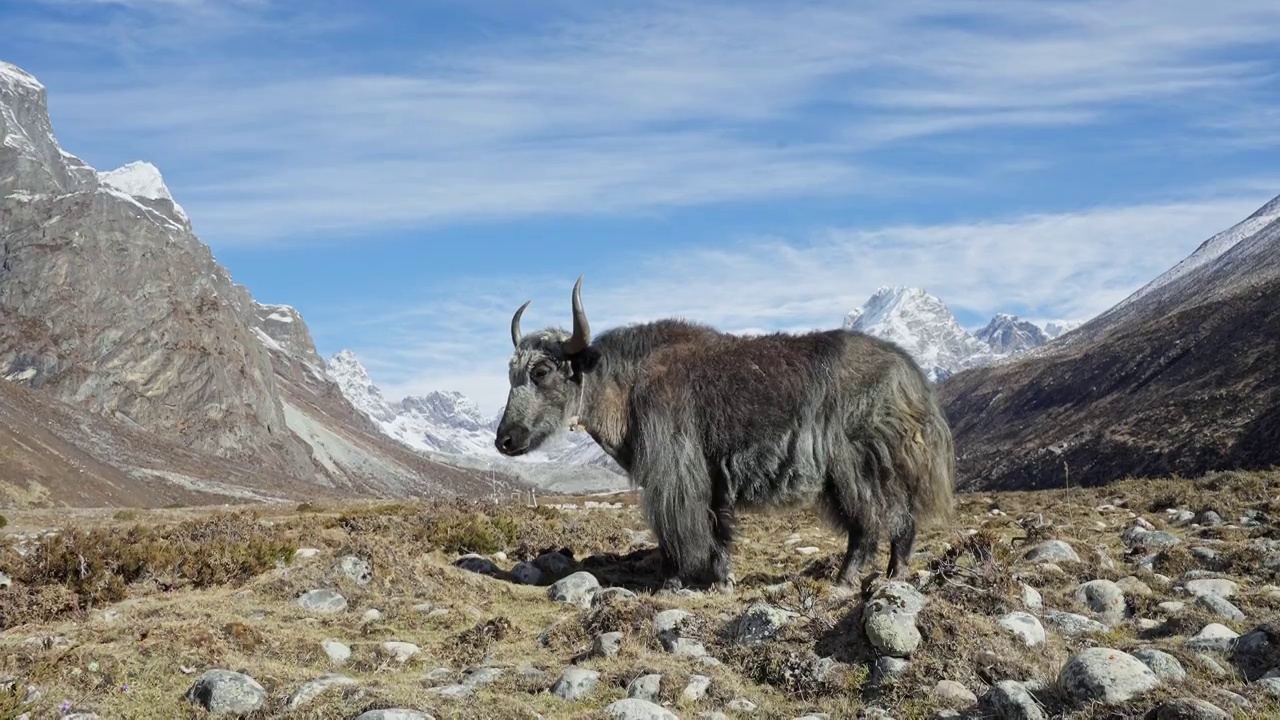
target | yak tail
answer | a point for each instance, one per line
(677, 494)
(925, 449)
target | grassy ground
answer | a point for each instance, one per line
(120, 611)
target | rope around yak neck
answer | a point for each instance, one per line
(575, 422)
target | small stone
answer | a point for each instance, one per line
(1072, 624)
(1102, 597)
(1165, 666)
(637, 709)
(322, 601)
(305, 553)
(1220, 606)
(1213, 637)
(645, 687)
(313, 689)
(612, 595)
(1031, 599)
(1209, 518)
(807, 550)
(371, 615)
(696, 689)
(1105, 675)
(575, 684)
(1052, 551)
(1149, 624)
(1172, 607)
(452, 692)
(576, 589)
(338, 652)
(742, 705)
(607, 645)
(224, 692)
(1210, 665)
(1024, 625)
(760, 622)
(526, 573)
(401, 652)
(393, 714)
(1271, 686)
(357, 569)
(1188, 709)
(1211, 586)
(1180, 517)
(889, 619)
(954, 694)
(481, 676)
(439, 675)
(1208, 556)
(1131, 585)
(1011, 700)
(667, 625)
(887, 668)
(472, 562)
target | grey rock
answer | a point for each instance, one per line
(439, 675)
(1131, 585)
(1031, 599)
(1226, 697)
(393, 714)
(1024, 625)
(1072, 624)
(1209, 518)
(1011, 700)
(481, 676)
(607, 645)
(612, 595)
(637, 709)
(1214, 637)
(452, 692)
(1137, 536)
(645, 687)
(696, 689)
(322, 600)
(480, 564)
(954, 694)
(576, 589)
(355, 568)
(887, 668)
(1188, 709)
(1165, 666)
(224, 692)
(575, 683)
(312, 689)
(1270, 686)
(1104, 598)
(1172, 607)
(5, 580)
(401, 652)
(889, 619)
(742, 705)
(1208, 556)
(1218, 587)
(1211, 666)
(1220, 606)
(1052, 551)
(371, 615)
(760, 622)
(338, 652)
(1105, 675)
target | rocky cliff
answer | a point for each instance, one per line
(111, 304)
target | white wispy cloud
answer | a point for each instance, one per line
(606, 110)
(1054, 265)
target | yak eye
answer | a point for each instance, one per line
(540, 371)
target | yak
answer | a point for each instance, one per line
(706, 423)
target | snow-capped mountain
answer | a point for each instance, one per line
(1055, 329)
(925, 327)
(451, 423)
(1008, 334)
(141, 180)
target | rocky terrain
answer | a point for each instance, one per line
(1148, 598)
(111, 305)
(1182, 377)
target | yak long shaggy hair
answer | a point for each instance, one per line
(707, 423)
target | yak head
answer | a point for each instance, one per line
(546, 381)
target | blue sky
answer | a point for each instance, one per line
(406, 174)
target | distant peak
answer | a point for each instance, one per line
(140, 179)
(345, 356)
(13, 75)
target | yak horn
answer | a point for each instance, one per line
(581, 329)
(515, 324)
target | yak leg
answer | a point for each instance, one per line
(901, 540)
(855, 512)
(678, 504)
(861, 550)
(721, 565)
